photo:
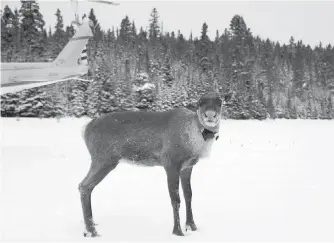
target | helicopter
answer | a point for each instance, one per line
(70, 64)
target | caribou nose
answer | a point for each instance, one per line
(210, 114)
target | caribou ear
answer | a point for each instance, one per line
(200, 102)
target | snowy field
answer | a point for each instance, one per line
(265, 181)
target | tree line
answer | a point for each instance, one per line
(152, 69)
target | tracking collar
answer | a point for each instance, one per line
(207, 134)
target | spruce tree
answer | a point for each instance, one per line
(239, 74)
(329, 108)
(69, 33)
(79, 98)
(204, 48)
(133, 35)
(239, 31)
(107, 96)
(298, 69)
(98, 33)
(94, 94)
(309, 112)
(125, 32)
(154, 28)
(323, 108)
(16, 31)
(167, 76)
(7, 36)
(32, 25)
(9, 104)
(25, 105)
(59, 36)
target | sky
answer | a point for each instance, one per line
(310, 21)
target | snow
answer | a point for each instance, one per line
(265, 181)
(145, 86)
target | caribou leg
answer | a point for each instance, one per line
(173, 179)
(98, 171)
(186, 186)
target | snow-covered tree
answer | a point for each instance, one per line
(79, 98)
(166, 72)
(94, 94)
(9, 104)
(143, 90)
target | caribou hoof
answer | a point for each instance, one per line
(191, 227)
(178, 232)
(90, 234)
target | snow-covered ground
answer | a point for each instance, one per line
(269, 180)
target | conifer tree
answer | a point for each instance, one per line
(133, 29)
(25, 104)
(59, 36)
(204, 48)
(110, 37)
(107, 96)
(323, 106)
(238, 29)
(298, 69)
(167, 76)
(329, 108)
(16, 30)
(32, 25)
(94, 94)
(98, 34)
(49, 32)
(309, 112)
(181, 46)
(125, 32)
(154, 28)
(69, 33)
(9, 104)
(79, 98)
(239, 75)
(7, 36)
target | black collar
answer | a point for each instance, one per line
(207, 134)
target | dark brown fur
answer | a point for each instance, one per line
(171, 139)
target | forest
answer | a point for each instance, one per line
(146, 68)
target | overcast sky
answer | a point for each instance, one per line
(311, 21)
